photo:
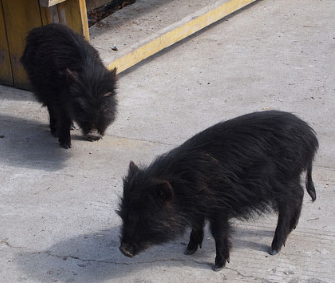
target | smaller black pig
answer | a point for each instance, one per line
(234, 169)
(69, 78)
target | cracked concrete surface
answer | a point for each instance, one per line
(57, 207)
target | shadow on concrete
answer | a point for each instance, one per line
(258, 240)
(29, 144)
(96, 257)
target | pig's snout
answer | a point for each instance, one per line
(93, 135)
(126, 250)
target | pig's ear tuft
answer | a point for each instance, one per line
(71, 76)
(114, 73)
(164, 191)
(132, 167)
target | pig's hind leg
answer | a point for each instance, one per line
(53, 121)
(196, 237)
(220, 229)
(289, 208)
(296, 206)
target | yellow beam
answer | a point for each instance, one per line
(177, 32)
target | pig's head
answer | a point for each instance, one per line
(93, 102)
(148, 212)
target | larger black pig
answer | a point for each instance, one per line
(69, 78)
(234, 169)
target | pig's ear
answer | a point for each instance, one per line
(71, 76)
(132, 167)
(113, 73)
(164, 191)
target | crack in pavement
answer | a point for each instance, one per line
(66, 257)
(6, 243)
(247, 276)
(147, 141)
(239, 273)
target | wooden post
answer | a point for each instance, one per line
(73, 14)
(6, 76)
(49, 15)
(20, 17)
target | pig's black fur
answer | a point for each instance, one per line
(234, 169)
(68, 76)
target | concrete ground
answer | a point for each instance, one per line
(57, 219)
(131, 26)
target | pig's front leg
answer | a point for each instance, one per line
(196, 237)
(220, 229)
(64, 131)
(53, 121)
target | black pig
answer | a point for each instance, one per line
(234, 169)
(69, 78)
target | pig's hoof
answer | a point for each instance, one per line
(93, 136)
(126, 252)
(220, 263)
(218, 267)
(273, 252)
(190, 251)
(54, 133)
(65, 145)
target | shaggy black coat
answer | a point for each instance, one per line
(68, 76)
(234, 169)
